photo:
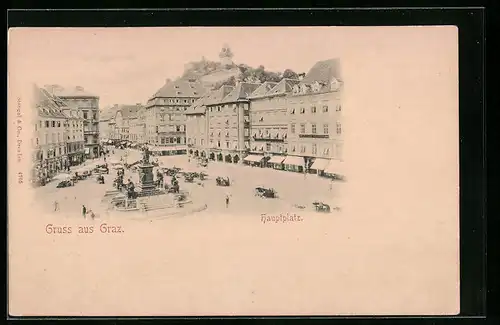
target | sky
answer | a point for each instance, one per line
(128, 65)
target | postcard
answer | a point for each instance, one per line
(256, 171)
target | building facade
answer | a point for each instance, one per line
(73, 135)
(165, 111)
(126, 122)
(228, 123)
(49, 145)
(269, 121)
(196, 127)
(315, 119)
(88, 104)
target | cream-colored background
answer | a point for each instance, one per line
(393, 250)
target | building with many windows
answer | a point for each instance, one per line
(165, 116)
(126, 122)
(88, 104)
(228, 123)
(73, 134)
(196, 126)
(50, 150)
(269, 123)
(315, 119)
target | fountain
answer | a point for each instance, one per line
(146, 185)
(148, 195)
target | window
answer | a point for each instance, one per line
(314, 149)
(325, 128)
(302, 149)
(302, 128)
(37, 141)
(47, 124)
(177, 128)
(227, 122)
(218, 144)
(36, 127)
(313, 128)
(339, 128)
(302, 110)
(292, 111)
(325, 109)
(268, 147)
(227, 144)
(41, 124)
(293, 148)
(85, 116)
(202, 141)
(339, 108)
(326, 152)
(261, 119)
(313, 109)
(53, 124)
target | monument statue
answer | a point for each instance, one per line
(145, 156)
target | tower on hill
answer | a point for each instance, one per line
(226, 56)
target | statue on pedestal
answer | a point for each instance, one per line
(145, 156)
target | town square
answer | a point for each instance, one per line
(233, 171)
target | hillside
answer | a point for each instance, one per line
(214, 75)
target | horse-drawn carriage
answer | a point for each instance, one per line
(101, 169)
(189, 177)
(321, 207)
(222, 181)
(171, 171)
(265, 192)
(65, 183)
(324, 207)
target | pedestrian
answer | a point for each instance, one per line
(56, 206)
(227, 201)
(84, 211)
(331, 184)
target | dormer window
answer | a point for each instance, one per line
(316, 86)
(334, 85)
(295, 89)
(304, 89)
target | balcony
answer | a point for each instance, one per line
(315, 136)
(268, 139)
(90, 131)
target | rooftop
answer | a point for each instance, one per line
(71, 92)
(48, 105)
(323, 72)
(240, 92)
(263, 89)
(180, 88)
(216, 96)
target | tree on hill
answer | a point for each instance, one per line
(290, 74)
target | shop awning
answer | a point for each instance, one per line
(253, 158)
(320, 164)
(335, 167)
(276, 159)
(294, 160)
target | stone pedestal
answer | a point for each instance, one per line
(146, 184)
